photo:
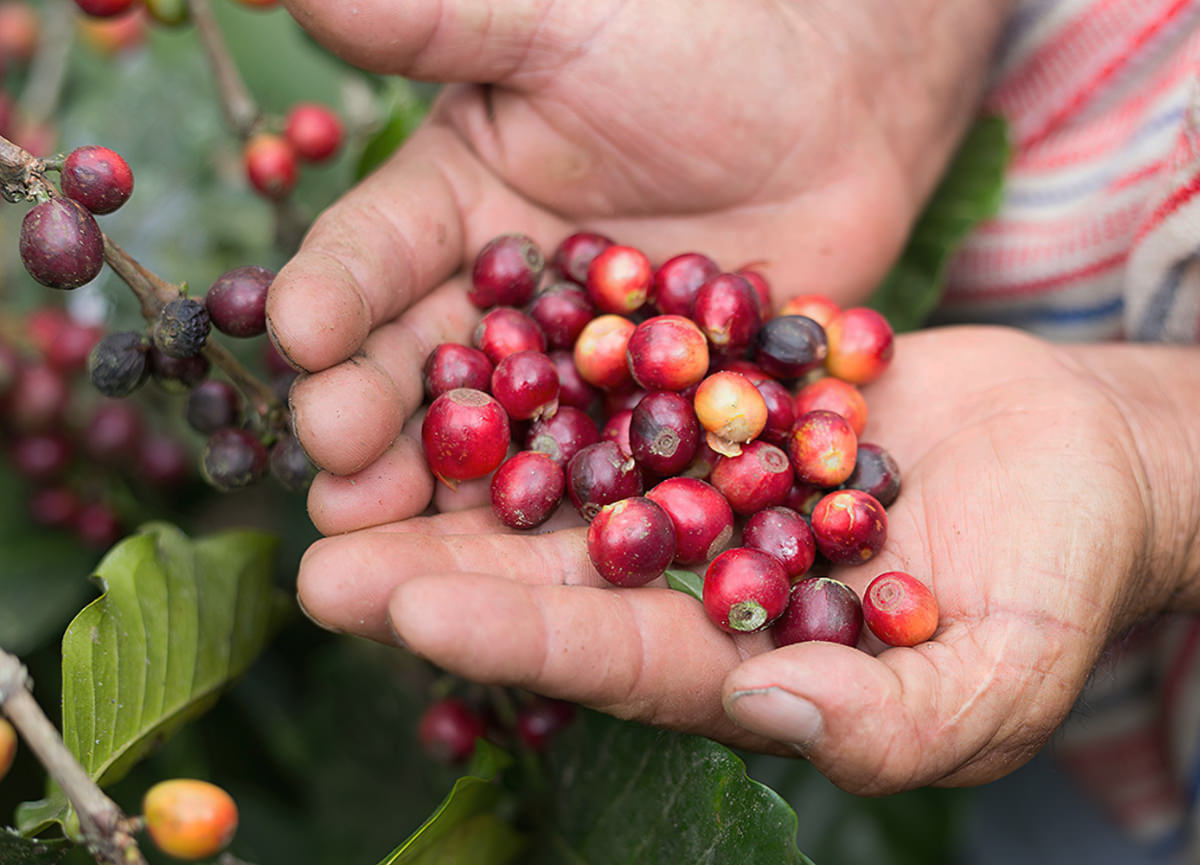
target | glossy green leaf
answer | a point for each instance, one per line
(177, 622)
(407, 110)
(16, 850)
(685, 581)
(464, 828)
(970, 191)
(623, 792)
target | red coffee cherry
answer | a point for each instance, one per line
(822, 448)
(861, 345)
(820, 608)
(573, 256)
(506, 272)
(784, 534)
(899, 609)
(237, 300)
(631, 542)
(314, 131)
(448, 730)
(105, 8)
(601, 352)
(702, 518)
(677, 282)
(526, 489)
(849, 527)
(465, 435)
(667, 352)
(189, 819)
(270, 164)
(745, 590)
(731, 409)
(96, 177)
(61, 245)
(618, 279)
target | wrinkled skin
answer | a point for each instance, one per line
(1031, 502)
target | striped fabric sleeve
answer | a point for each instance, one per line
(1098, 238)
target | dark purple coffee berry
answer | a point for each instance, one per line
(452, 365)
(177, 374)
(820, 608)
(237, 301)
(61, 244)
(290, 466)
(562, 436)
(789, 346)
(573, 256)
(664, 433)
(876, 472)
(506, 272)
(96, 177)
(211, 405)
(601, 474)
(233, 458)
(118, 365)
(561, 309)
(182, 328)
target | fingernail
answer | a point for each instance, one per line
(314, 619)
(778, 714)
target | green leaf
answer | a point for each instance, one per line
(688, 582)
(464, 828)
(404, 115)
(177, 622)
(15, 850)
(627, 793)
(970, 191)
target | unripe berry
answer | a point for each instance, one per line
(118, 366)
(189, 819)
(61, 244)
(170, 13)
(237, 300)
(96, 177)
(182, 328)
(233, 458)
(8, 746)
(314, 131)
(270, 163)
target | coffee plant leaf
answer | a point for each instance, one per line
(688, 582)
(970, 191)
(17, 850)
(623, 792)
(177, 622)
(465, 828)
(405, 112)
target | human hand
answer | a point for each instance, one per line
(803, 134)
(1029, 505)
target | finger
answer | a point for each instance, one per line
(344, 582)
(648, 654)
(466, 40)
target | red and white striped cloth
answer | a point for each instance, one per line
(1098, 238)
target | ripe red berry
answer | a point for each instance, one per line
(632, 541)
(114, 432)
(562, 310)
(506, 272)
(573, 256)
(599, 475)
(189, 819)
(677, 281)
(833, 394)
(61, 245)
(314, 131)
(818, 307)
(448, 730)
(900, 609)
(526, 384)
(539, 722)
(601, 352)
(702, 517)
(97, 525)
(465, 435)
(744, 590)
(237, 300)
(452, 365)
(96, 177)
(618, 279)
(526, 489)
(506, 330)
(54, 507)
(727, 312)
(562, 436)
(820, 608)
(822, 448)
(667, 352)
(784, 534)
(104, 8)
(849, 527)
(759, 477)
(861, 345)
(270, 164)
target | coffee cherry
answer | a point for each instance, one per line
(789, 346)
(211, 405)
(506, 272)
(465, 435)
(781, 413)
(113, 433)
(237, 301)
(761, 287)
(876, 472)
(599, 475)
(835, 395)
(677, 281)
(20, 32)
(727, 311)
(667, 352)
(849, 527)
(97, 525)
(118, 365)
(41, 456)
(573, 389)
(731, 409)
(270, 163)
(448, 730)
(616, 429)
(562, 436)
(573, 256)
(38, 398)
(54, 507)
(526, 384)
(759, 477)
(631, 542)
(861, 345)
(177, 374)
(562, 310)
(822, 448)
(73, 341)
(290, 466)
(104, 8)
(820, 608)
(899, 609)
(314, 131)
(163, 461)
(96, 177)
(702, 518)
(818, 307)
(61, 245)
(664, 432)
(182, 328)
(452, 365)
(744, 590)
(781, 532)
(538, 723)
(506, 330)
(8, 746)
(233, 458)
(618, 279)
(189, 819)
(601, 352)
(526, 489)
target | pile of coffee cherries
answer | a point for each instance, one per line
(676, 414)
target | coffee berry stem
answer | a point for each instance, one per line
(108, 833)
(241, 111)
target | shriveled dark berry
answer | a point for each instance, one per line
(237, 300)
(233, 458)
(177, 374)
(117, 365)
(96, 177)
(61, 244)
(290, 465)
(182, 328)
(211, 405)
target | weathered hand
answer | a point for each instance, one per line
(1029, 505)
